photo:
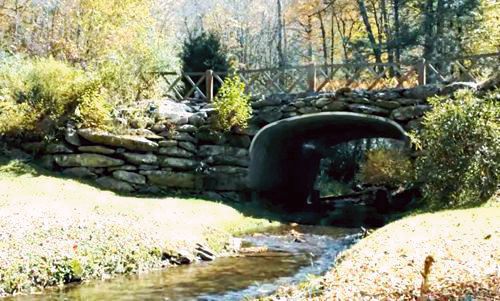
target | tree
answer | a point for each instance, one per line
(201, 53)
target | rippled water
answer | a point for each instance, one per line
(225, 278)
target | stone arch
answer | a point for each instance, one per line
(285, 155)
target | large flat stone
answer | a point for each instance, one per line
(409, 113)
(114, 184)
(270, 114)
(180, 136)
(86, 160)
(180, 163)
(79, 172)
(134, 143)
(175, 151)
(228, 160)
(216, 150)
(58, 148)
(98, 149)
(139, 159)
(173, 179)
(371, 110)
(130, 177)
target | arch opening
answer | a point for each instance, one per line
(285, 155)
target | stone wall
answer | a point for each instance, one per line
(181, 150)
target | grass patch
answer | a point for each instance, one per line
(387, 265)
(54, 231)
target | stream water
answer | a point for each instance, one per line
(290, 259)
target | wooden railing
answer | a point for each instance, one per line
(315, 78)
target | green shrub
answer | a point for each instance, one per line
(232, 104)
(94, 111)
(460, 144)
(386, 167)
(39, 95)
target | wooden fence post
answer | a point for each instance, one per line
(422, 72)
(312, 78)
(209, 79)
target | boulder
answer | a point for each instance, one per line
(173, 179)
(148, 167)
(414, 125)
(322, 102)
(190, 147)
(387, 95)
(98, 149)
(298, 104)
(268, 101)
(144, 133)
(114, 184)
(216, 150)
(86, 160)
(180, 136)
(71, 136)
(388, 104)
(308, 110)
(408, 113)
(208, 135)
(421, 92)
(138, 159)
(175, 151)
(335, 106)
(242, 141)
(176, 112)
(228, 160)
(288, 109)
(179, 163)
(270, 114)
(58, 148)
(359, 100)
(197, 119)
(365, 109)
(188, 128)
(123, 167)
(130, 177)
(133, 143)
(79, 172)
(168, 143)
(410, 101)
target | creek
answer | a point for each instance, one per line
(293, 254)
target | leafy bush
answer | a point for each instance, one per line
(38, 95)
(386, 167)
(232, 104)
(460, 143)
(94, 111)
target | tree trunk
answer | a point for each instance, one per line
(375, 47)
(281, 56)
(428, 29)
(332, 42)
(397, 37)
(323, 37)
(388, 36)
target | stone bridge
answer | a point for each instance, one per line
(278, 154)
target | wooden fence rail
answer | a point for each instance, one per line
(315, 78)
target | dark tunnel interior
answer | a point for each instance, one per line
(286, 155)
